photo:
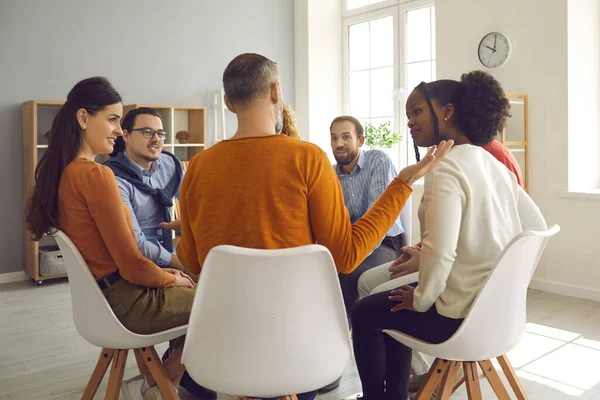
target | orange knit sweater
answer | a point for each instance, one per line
(273, 192)
(92, 214)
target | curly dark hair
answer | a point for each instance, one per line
(480, 105)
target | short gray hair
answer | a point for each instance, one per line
(248, 76)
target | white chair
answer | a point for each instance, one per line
(267, 323)
(494, 325)
(96, 322)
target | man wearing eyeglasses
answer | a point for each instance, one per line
(148, 179)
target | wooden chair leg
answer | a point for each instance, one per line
(458, 384)
(512, 377)
(142, 367)
(106, 356)
(446, 387)
(159, 373)
(115, 378)
(472, 379)
(494, 379)
(434, 376)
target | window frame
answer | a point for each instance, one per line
(398, 10)
(402, 122)
(371, 7)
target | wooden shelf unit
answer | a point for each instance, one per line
(180, 118)
(515, 135)
(38, 116)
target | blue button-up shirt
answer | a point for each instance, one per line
(146, 211)
(363, 186)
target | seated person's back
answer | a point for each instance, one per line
(264, 190)
(265, 176)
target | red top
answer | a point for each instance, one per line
(506, 157)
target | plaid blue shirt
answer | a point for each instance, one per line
(371, 176)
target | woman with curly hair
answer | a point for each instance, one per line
(289, 123)
(471, 208)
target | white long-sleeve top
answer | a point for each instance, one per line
(472, 207)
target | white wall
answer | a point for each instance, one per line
(584, 94)
(153, 51)
(538, 67)
(319, 70)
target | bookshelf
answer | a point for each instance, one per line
(38, 116)
(515, 135)
(180, 118)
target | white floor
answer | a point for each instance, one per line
(43, 358)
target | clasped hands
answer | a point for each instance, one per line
(406, 264)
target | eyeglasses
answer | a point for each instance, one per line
(149, 133)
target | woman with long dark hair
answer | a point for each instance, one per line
(80, 197)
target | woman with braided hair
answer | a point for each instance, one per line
(471, 208)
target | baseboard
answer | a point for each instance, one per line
(9, 277)
(565, 290)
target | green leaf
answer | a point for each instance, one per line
(380, 137)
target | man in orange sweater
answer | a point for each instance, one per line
(263, 190)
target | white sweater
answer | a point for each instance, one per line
(472, 207)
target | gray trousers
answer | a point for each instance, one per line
(387, 251)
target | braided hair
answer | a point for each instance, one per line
(480, 105)
(436, 123)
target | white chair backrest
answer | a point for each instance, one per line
(266, 323)
(93, 317)
(497, 318)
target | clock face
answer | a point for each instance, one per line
(494, 49)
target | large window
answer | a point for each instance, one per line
(371, 70)
(419, 58)
(354, 4)
(387, 52)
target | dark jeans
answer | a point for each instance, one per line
(384, 363)
(387, 251)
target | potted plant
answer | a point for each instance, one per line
(380, 137)
(182, 136)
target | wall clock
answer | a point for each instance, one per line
(494, 49)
